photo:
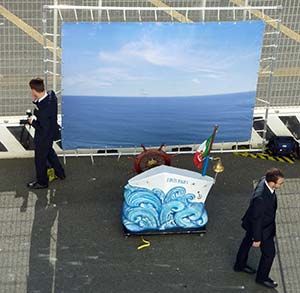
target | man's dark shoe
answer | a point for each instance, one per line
(63, 177)
(247, 269)
(269, 283)
(270, 280)
(36, 185)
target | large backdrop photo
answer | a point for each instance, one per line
(127, 84)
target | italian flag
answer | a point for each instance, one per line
(202, 152)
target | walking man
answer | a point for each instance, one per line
(260, 226)
(44, 121)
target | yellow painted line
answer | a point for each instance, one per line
(262, 156)
(288, 160)
(270, 21)
(242, 154)
(174, 14)
(265, 156)
(145, 244)
(270, 158)
(245, 155)
(279, 159)
(29, 30)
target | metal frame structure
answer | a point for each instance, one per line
(267, 64)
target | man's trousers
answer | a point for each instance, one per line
(44, 154)
(267, 248)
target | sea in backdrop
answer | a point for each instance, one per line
(113, 122)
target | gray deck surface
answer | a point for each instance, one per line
(69, 238)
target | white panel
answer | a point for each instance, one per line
(277, 126)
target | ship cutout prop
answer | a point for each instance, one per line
(167, 200)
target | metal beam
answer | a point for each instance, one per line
(29, 30)
(294, 71)
(136, 8)
(174, 14)
(270, 21)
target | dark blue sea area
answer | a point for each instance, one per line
(100, 122)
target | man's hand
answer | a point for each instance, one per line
(256, 244)
(30, 119)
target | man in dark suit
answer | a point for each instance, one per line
(260, 226)
(44, 121)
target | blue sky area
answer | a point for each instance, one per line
(160, 59)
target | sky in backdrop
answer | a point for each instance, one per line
(160, 59)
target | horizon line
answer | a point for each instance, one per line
(146, 96)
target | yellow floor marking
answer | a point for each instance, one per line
(145, 244)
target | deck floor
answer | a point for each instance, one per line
(69, 238)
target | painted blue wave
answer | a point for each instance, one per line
(146, 209)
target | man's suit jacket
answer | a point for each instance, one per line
(46, 127)
(259, 218)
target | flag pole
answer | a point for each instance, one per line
(209, 149)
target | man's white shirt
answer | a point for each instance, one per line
(271, 190)
(42, 98)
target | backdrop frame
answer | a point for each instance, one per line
(56, 10)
